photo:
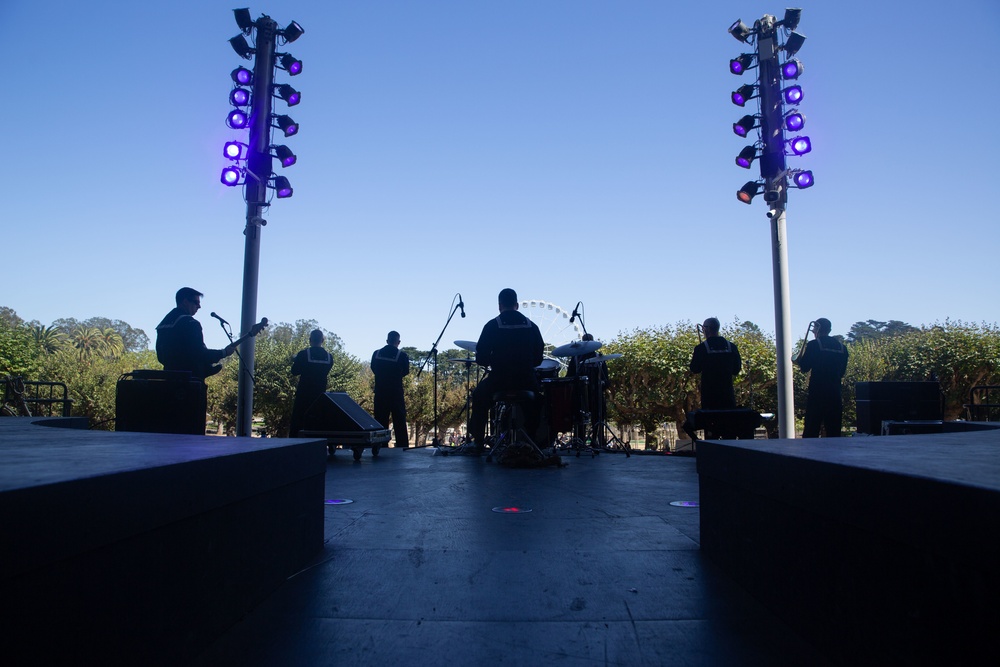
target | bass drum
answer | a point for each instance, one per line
(566, 403)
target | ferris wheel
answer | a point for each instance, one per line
(553, 322)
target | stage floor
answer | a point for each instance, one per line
(420, 569)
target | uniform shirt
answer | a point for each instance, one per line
(180, 345)
(390, 364)
(718, 360)
(511, 345)
(312, 365)
(826, 358)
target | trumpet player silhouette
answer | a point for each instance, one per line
(825, 359)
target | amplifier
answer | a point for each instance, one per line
(877, 402)
(160, 402)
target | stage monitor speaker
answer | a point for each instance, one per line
(877, 402)
(335, 411)
(735, 424)
(160, 402)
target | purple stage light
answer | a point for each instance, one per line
(803, 179)
(285, 155)
(287, 125)
(792, 69)
(289, 94)
(800, 145)
(741, 95)
(242, 76)
(793, 94)
(231, 176)
(795, 121)
(746, 157)
(293, 66)
(743, 125)
(240, 97)
(282, 187)
(237, 119)
(234, 150)
(741, 64)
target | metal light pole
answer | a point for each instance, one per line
(258, 171)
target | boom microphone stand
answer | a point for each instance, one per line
(436, 442)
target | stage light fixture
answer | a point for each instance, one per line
(243, 20)
(799, 145)
(237, 119)
(291, 65)
(242, 76)
(792, 18)
(744, 125)
(792, 94)
(740, 31)
(746, 157)
(240, 97)
(287, 125)
(792, 69)
(743, 94)
(795, 121)
(231, 176)
(235, 150)
(292, 32)
(285, 155)
(803, 179)
(748, 191)
(282, 187)
(742, 63)
(241, 47)
(289, 94)
(794, 43)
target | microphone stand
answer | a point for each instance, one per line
(228, 330)
(436, 442)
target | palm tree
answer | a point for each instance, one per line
(48, 338)
(88, 340)
(112, 344)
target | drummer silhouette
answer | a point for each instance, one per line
(511, 346)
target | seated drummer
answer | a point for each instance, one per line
(597, 380)
(576, 366)
(511, 346)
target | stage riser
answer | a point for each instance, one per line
(148, 566)
(874, 567)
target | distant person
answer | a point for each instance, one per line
(390, 365)
(718, 361)
(312, 365)
(511, 346)
(180, 343)
(825, 359)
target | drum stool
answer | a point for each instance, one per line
(509, 436)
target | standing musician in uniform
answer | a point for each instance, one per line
(718, 360)
(312, 365)
(180, 343)
(825, 358)
(390, 364)
(511, 346)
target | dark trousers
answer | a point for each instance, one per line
(482, 401)
(394, 408)
(825, 409)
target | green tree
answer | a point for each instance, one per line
(48, 338)
(18, 351)
(874, 329)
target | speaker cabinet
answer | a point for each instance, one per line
(735, 424)
(335, 416)
(160, 402)
(877, 402)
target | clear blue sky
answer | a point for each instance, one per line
(574, 150)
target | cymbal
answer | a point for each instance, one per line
(602, 358)
(470, 360)
(577, 347)
(469, 345)
(547, 365)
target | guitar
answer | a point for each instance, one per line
(212, 369)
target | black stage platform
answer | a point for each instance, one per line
(878, 550)
(139, 549)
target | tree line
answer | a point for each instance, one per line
(650, 385)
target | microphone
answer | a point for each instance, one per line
(575, 313)
(461, 305)
(218, 318)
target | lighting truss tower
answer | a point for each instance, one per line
(254, 163)
(775, 64)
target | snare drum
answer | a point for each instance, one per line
(548, 369)
(565, 402)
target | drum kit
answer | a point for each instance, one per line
(573, 407)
